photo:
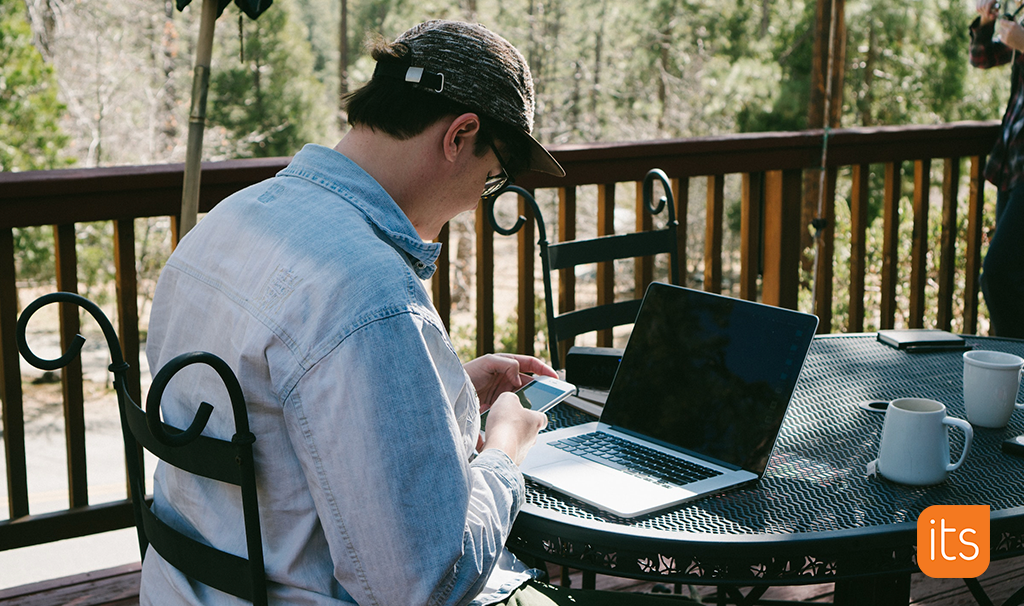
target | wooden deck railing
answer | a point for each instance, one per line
(771, 168)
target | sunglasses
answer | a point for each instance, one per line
(494, 184)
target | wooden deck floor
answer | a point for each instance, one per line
(120, 587)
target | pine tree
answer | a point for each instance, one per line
(30, 134)
(270, 102)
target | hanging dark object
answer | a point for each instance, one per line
(253, 8)
(200, 88)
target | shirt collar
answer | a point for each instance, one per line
(334, 171)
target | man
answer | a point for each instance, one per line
(374, 486)
(1002, 278)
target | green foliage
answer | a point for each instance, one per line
(93, 241)
(34, 257)
(270, 102)
(30, 134)
(507, 332)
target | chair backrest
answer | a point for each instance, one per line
(564, 327)
(221, 460)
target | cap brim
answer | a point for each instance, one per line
(542, 161)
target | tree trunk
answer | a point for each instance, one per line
(170, 129)
(43, 20)
(342, 64)
(595, 92)
(816, 107)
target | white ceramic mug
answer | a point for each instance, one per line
(915, 442)
(991, 381)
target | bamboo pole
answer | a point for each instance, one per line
(197, 118)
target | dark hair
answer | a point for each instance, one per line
(403, 110)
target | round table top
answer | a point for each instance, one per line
(816, 488)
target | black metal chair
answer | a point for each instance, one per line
(221, 460)
(566, 255)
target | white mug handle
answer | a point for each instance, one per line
(968, 437)
(1016, 404)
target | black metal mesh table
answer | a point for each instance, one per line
(816, 516)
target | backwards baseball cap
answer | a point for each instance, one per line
(469, 64)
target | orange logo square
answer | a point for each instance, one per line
(953, 541)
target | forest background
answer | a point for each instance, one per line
(107, 82)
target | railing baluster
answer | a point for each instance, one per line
(566, 277)
(975, 212)
(947, 246)
(781, 282)
(681, 188)
(890, 243)
(10, 382)
(643, 273)
(484, 283)
(71, 375)
(859, 196)
(713, 234)
(442, 281)
(750, 234)
(126, 283)
(606, 270)
(527, 326)
(826, 255)
(919, 242)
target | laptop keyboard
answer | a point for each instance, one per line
(641, 461)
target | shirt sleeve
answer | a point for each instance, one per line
(376, 424)
(984, 52)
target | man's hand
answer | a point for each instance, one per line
(494, 374)
(987, 10)
(512, 428)
(1011, 34)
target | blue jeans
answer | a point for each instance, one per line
(1002, 278)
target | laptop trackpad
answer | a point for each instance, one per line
(608, 488)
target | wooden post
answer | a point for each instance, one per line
(859, 195)
(713, 234)
(126, 286)
(782, 227)
(566, 277)
(484, 283)
(527, 326)
(975, 212)
(830, 27)
(826, 256)
(681, 188)
(11, 396)
(947, 246)
(643, 273)
(890, 243)
(442, 282)
(606, 270)
(197, 118)
(750, 234)
(71, 375)
(919, 242)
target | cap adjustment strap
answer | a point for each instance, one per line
(415, 75)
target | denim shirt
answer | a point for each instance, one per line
(309, 285)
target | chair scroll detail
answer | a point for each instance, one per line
(565, 255)
(217, 459)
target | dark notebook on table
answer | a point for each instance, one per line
(695, 406)
(921, 339)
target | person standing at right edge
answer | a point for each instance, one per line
(998, 41)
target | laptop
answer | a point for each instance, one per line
(695, 406)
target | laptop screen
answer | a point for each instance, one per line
(709, 374)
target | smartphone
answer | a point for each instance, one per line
(1014, 446)
(540, 394)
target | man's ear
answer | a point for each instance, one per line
(461, 135)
